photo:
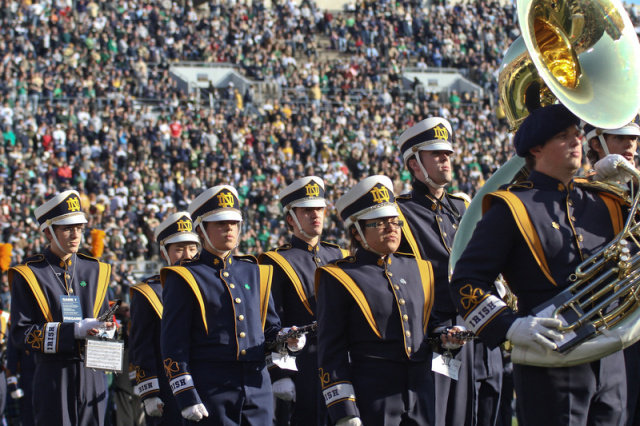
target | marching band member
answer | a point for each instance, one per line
(431, 219)
(56, 297)
(177, 242)
(373, 310)
(535, 233)
(606, 148)
(294, 265)
(217, 313)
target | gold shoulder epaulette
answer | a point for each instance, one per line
(246, 258)
(34, 258)
(87, 257)
(283, 247)
(518, 186)
(404, 254)
(150, 279)
(348, 259)
(325, 243)
(613, 189)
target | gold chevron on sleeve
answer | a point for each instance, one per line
(521, 216)
(295, 280)
(266, 277)
(188, 277)
(151, 296)
(356, 292)
(31, 280)
(103, 283)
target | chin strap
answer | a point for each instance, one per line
(426, 176)
(295, 219)
(220, 253)
(364, 240)
(166, 255)
(603, 143)
(55, 239)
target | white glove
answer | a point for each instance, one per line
(349, 421)
(81, 328)
(535, 332)
(153, 406)
(447, 344)
(297, 347)
(607, 169)
(12, 385)
(107, 332)
(285, 389)
(195, 413)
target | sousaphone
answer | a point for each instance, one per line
(584, 54)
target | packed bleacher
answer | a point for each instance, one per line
(73, 75)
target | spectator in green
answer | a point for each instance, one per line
(454, 99)
(9, 137)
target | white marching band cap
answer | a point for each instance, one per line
(431, 134)
(304, 192)
(63, 209)
(176, 228)
(371, 198)
(631, 129)
(216, 204)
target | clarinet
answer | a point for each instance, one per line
(465, 336)
(278, 343)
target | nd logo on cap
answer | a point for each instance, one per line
(371, 198)
(440, 132)
(73, 204)
(184, 226)
(225, 199)
(380, 194)
(304, 192)
(313, 190)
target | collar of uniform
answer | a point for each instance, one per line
(53, 259)
(425, 195)
(420, 187)
(369, 257)
(215, 261)
(548, 183)
(298, 243)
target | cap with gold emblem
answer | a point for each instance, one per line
(371, 198)
(216, 204)
(305, 192)
(63, 209)
(176, 228)
(432, 134)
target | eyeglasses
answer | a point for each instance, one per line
(382, 224)
(68, 230)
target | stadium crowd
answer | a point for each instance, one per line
(87, 103)
(73, 75)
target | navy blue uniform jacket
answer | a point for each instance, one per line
(214, 310)
(369, 307)
(535, 234)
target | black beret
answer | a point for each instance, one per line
(541, 125)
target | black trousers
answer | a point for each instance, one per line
(309, 408)
(67, 393)
(234, 393)
(591, 394)
(393, 393)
